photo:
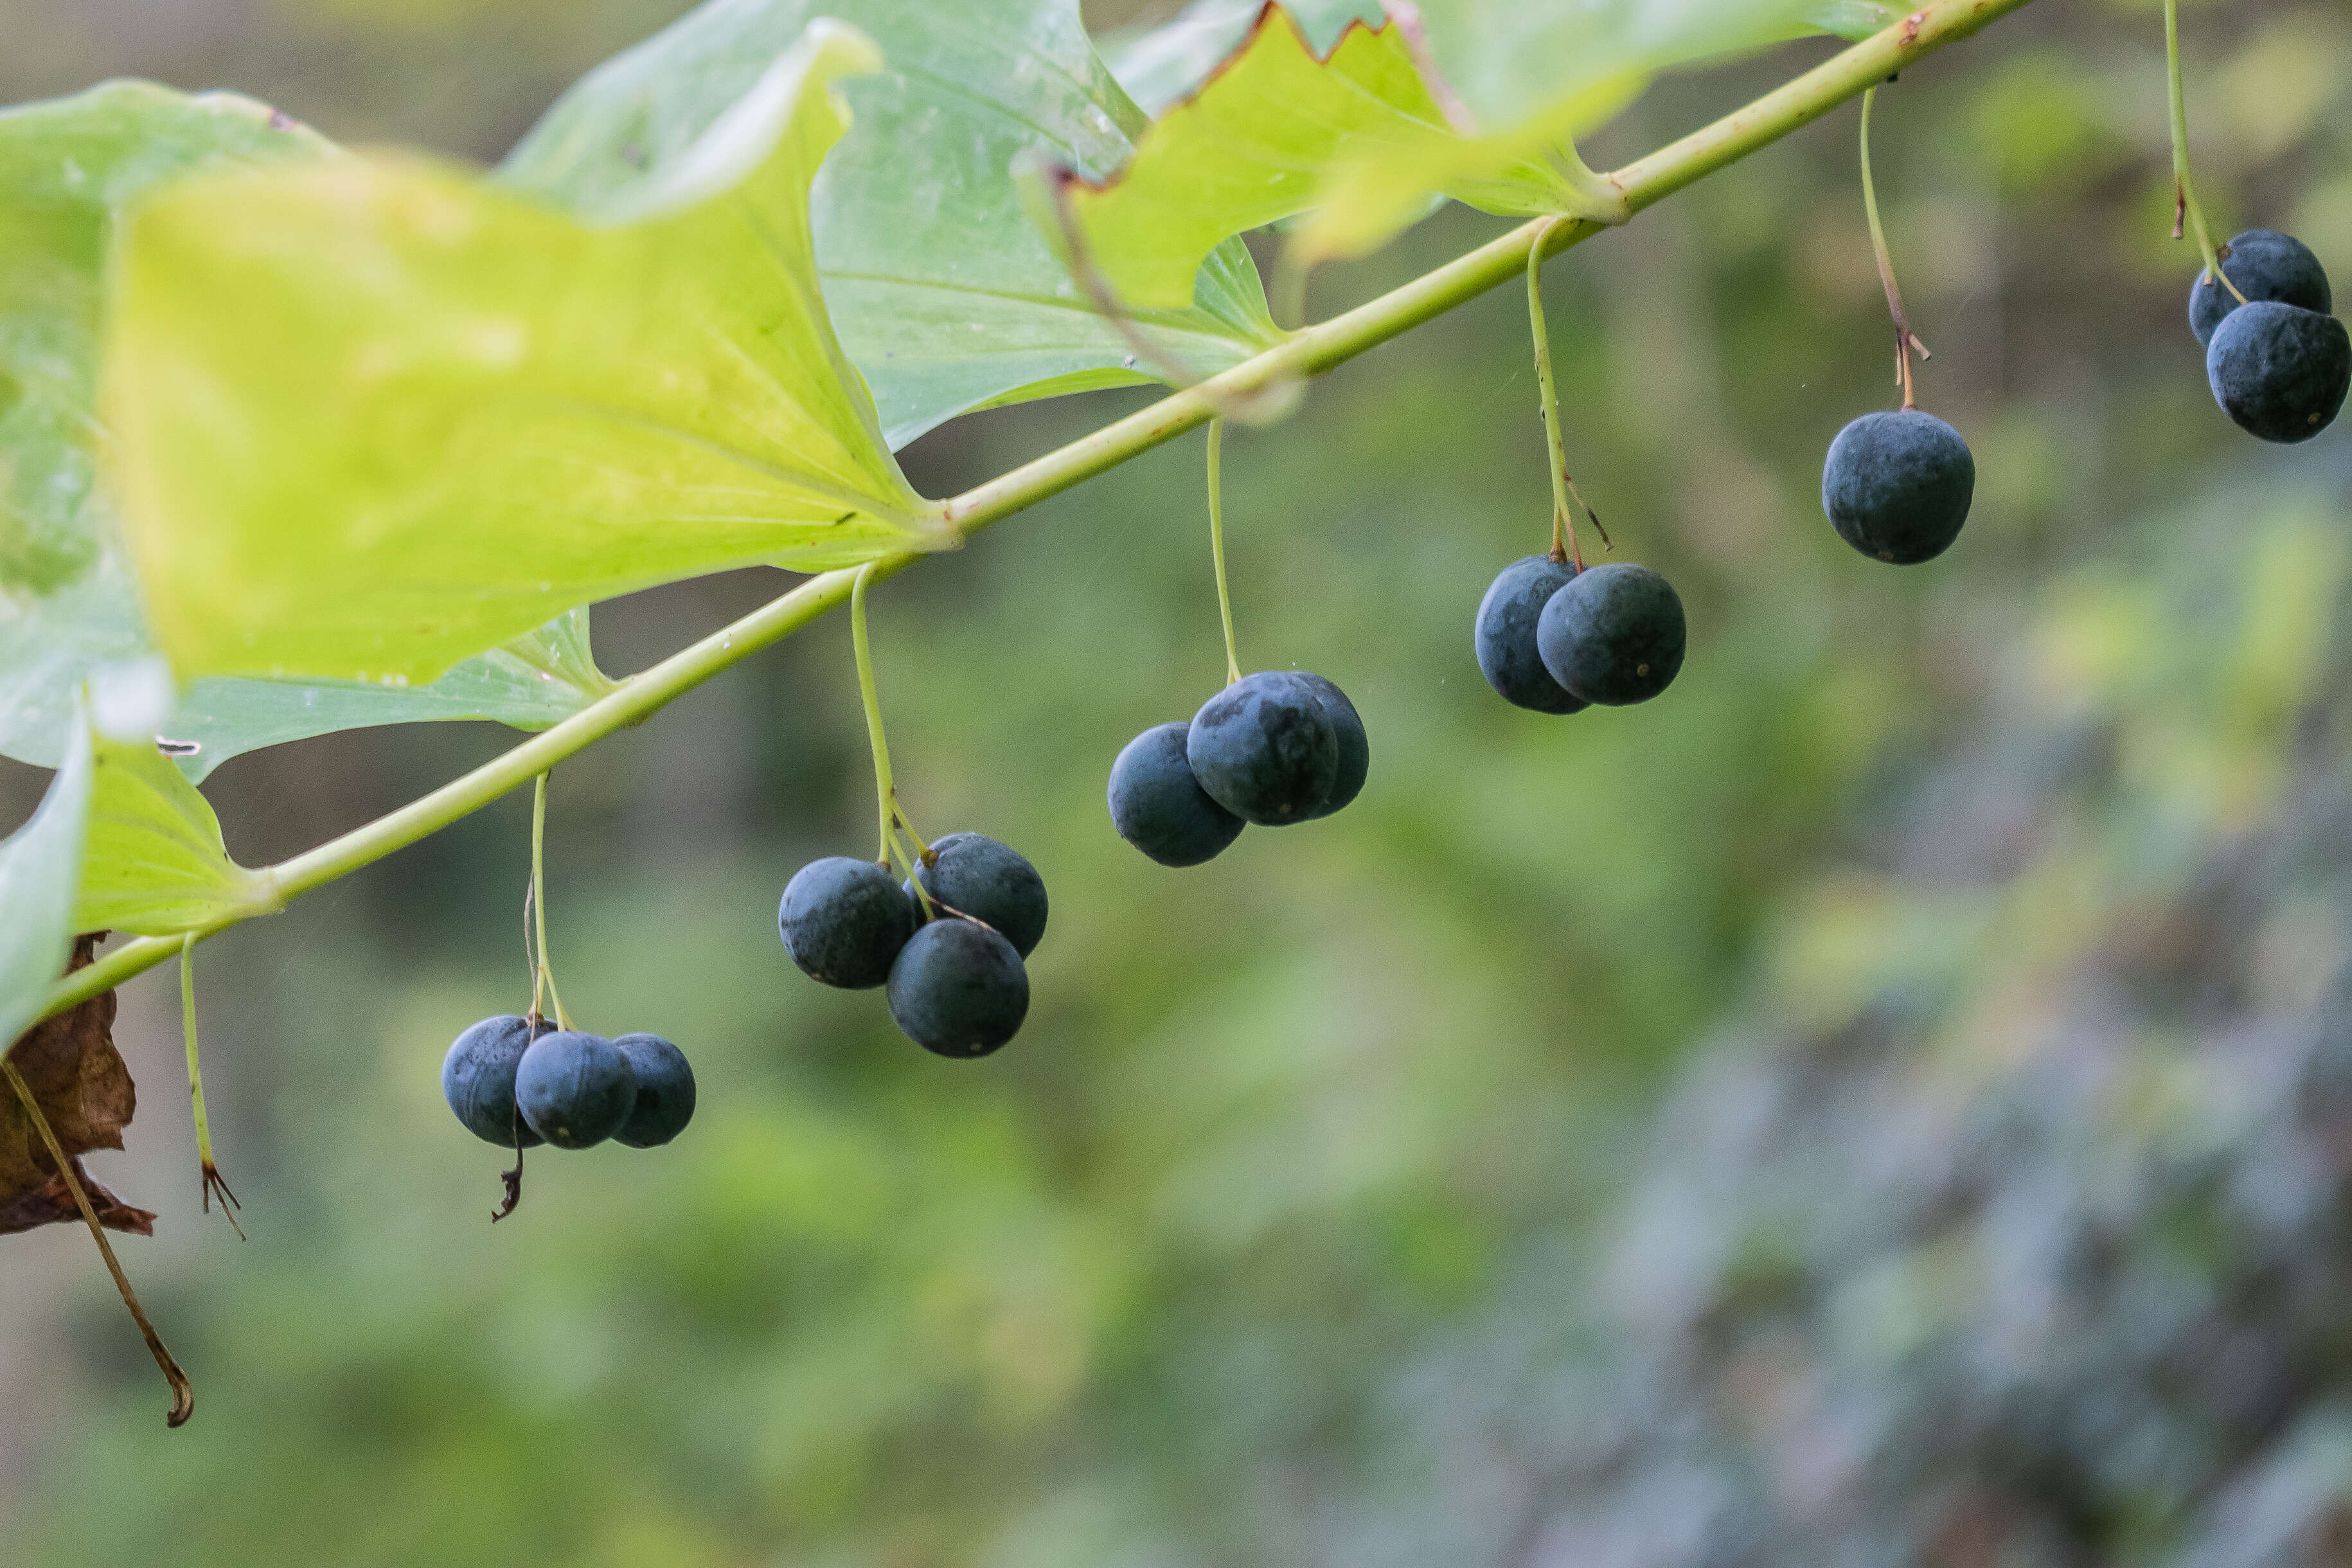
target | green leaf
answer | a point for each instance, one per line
(943, 292)
(39, 865)
(69, 607)
(1357, 124)
(538, 680)
(154, 861)
(1159, 64)
(1852, 18)
(374, 415)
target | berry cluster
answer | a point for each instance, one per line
(1277, 748)
(521, 1082)
(1557, 639)
(948, 942)
(2279, 363)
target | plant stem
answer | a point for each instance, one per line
(208, 1172)
(184, 1394)
(1217, 543)
(1906, 340)
(1311, 352)
(2184, 189)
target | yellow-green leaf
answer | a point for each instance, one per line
(1259, 142)
(152, 861)
(375, 414)
(1480, 100)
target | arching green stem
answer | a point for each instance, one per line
(212, 1179)
(1217, 543)
(1311, 351)
(1563, 487)
(1906, 340)
(2184, 190)
(183, 1393)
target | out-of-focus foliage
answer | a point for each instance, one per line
(1323, 1210)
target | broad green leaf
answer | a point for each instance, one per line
(943, 292)
(152, 861)
(374, 415)
(69, 607)
(38, 867)
(1359, 124)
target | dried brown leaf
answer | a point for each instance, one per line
(85, 1090)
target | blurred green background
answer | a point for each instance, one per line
(1889, 1100)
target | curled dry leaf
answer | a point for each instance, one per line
(84, 1089)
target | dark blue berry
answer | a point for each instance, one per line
(1264, 749)
(1614, 635)
(2264, 264)
(2280, 371)
(664, 1094)
(845, 920)
(974, 874)
(478, 1080)
(1355, 746)
(959, 989)
(575, 1089)
(1897, 486)
(1504, 637)
(1160, 808)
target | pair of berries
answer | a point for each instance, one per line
(519, 1082)
(956, 983)
(2280, 364)
(1277, 748)
(1558, 640)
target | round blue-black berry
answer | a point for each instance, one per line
(575, 1089)
(1355, 746)
(959, 989)
(1159, 807)
(665, 1093)
(975, 875)
(2264, 264)
(1505, 636)
(1264, 749)
(478, 1080)
(1614, 635)
(2280, 371)
(1897, 486)
(845, 920)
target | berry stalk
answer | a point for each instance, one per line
(183, 1393)
(2184, 190)
(901, 843)
(1563, 487)
(212, 1182)
(535, 904)
(1906, 340)
(1217, 543)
